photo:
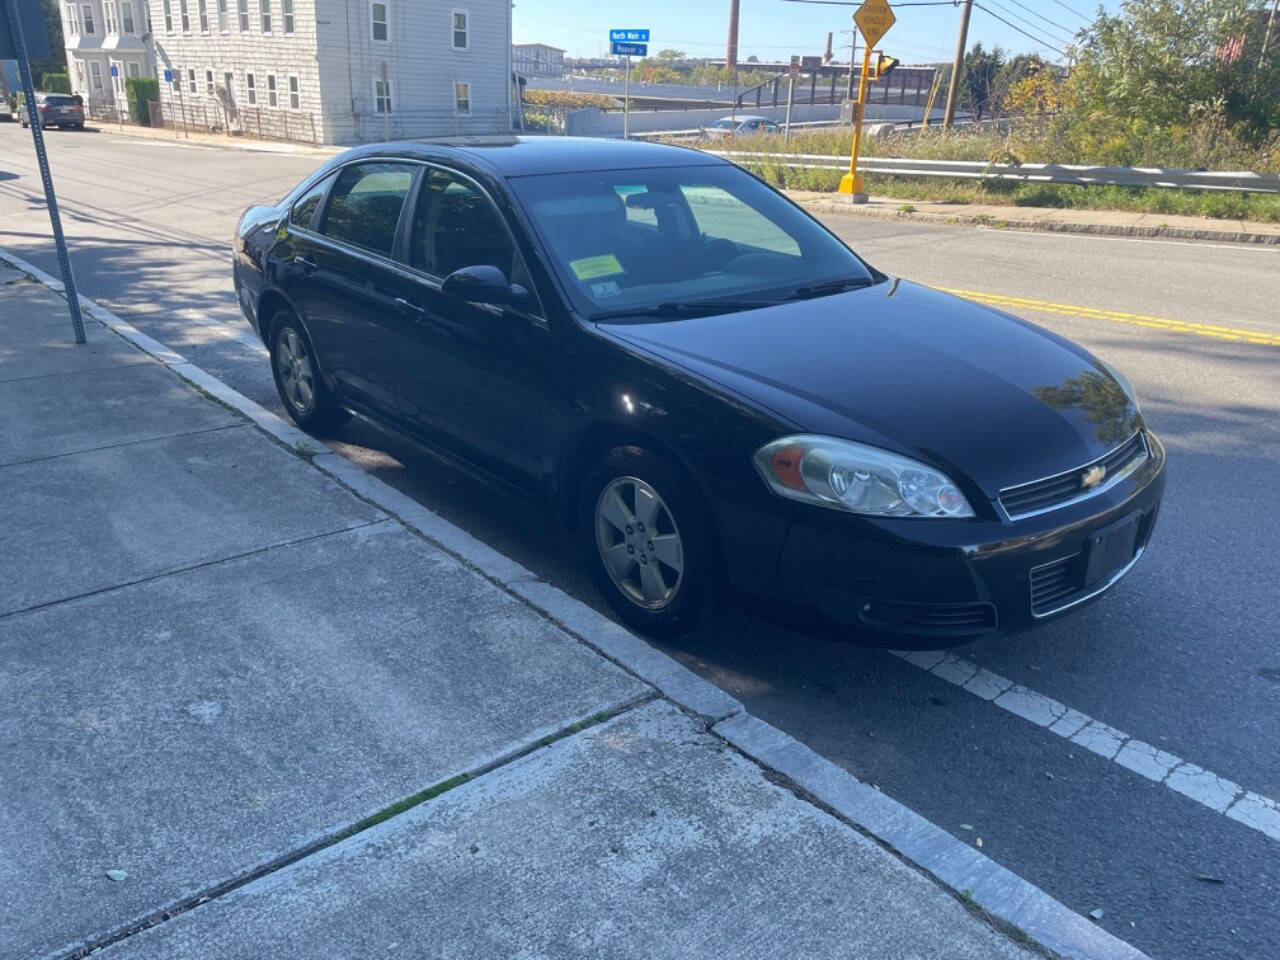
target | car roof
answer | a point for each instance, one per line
(528, 156)
(743, 118)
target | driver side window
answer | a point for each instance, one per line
(456, 226)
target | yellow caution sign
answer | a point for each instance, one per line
(874, 18)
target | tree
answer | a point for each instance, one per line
(670, 54)
(977, 81)
(753, 59)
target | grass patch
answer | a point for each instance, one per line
(400, 806)
(907, 208)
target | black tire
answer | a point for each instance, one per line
(697, 589)
(312, 407)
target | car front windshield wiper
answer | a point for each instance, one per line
(674, 309)
(828, 287)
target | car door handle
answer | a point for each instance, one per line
(411, 307)
(306, 263)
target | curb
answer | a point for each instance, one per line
(1042, 226)
(1014, 904)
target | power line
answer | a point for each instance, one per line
(1076, 12)
(1053, 23)
(1033, 26)
(1039, 40)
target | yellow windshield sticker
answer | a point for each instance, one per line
(588, 268)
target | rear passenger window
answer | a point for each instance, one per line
(304, 211)
(365, 205)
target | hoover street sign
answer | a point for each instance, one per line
(874, 18)
(630, 49)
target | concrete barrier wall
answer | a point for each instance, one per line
(594, 122)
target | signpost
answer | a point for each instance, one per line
(874, 18)
(628, 43)
(791, 96)
(22, 35)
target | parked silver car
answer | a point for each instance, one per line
(727, 128)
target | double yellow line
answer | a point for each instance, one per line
(1237, 334)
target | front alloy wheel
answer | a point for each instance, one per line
(639, 543)
(297, 375)
(650, 542)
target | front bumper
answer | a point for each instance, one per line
(928, 584)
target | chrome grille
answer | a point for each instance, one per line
(1027, 499)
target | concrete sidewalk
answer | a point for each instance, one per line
(253, 703)
(1112, 223)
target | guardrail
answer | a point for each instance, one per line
(1083, 175)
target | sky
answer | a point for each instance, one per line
(777, 29)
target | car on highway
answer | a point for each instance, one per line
(6, 111)
(56, 110)
(726, 128)
(715, 394)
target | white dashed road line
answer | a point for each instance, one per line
(1201, 785)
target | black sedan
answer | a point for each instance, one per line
(710, 388)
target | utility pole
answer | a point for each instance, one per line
(954, 85)
(731, 49)
(1266, 37)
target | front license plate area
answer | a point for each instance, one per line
(1111, 548)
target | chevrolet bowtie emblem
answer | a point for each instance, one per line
(1093, 476)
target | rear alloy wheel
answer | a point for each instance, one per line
(649, 541)
(297, 377)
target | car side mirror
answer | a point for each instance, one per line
(483, 283)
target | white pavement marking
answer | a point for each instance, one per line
(1195, 782)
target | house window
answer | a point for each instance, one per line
(134, 70)
(202, 6)
(265, 9)
(208, 82)
(286, 7)
(462, 98)
(126, 16)
(186, 16)
(109, 18)
(73, 19)
(461, 33)
(223, 18)
(95, 73)
(168, 16)
(88, 19)
(379, 14)
(273, 100)
(243, 8)
(191, 79)
(251, 88)
(381, 96)
(295, 98)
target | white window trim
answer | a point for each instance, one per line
(456, 111)
(243, 14)
(90, 28)
(167, 6)
(202, 14)
(209, 86)
(191, 81)
(386, 5)
(265, 19)
(224, 16)
(288, 17)
(251, 88)
(273, 91)
(391, 108)
(124, 25)
(73, 20)
(184, 15)
(95, 76)
(290, 93)
(452, 31)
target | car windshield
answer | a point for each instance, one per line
(653, 241)
(725, 123)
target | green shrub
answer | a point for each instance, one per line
(140, 91)
(55, 83)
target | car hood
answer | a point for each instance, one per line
(977, 392)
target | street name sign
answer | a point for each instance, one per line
(630, 49)
(874, 18)
(629, 36)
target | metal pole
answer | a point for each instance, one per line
(386, 92)
(182, 103)
(954, 85)
(42, 159)
(851, 182)
(626, 102)
(791, 96)
(933, 92)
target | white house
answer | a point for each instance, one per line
(106, 43)
(336, 71)
(538, 60)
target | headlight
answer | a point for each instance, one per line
(853, 476)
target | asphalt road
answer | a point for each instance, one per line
(1183, 654)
